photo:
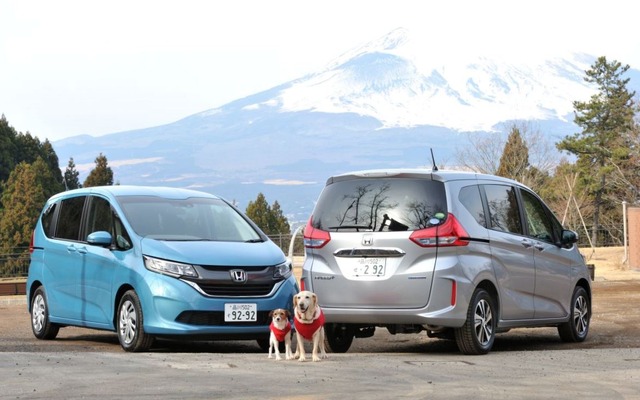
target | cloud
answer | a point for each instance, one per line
(286, 182)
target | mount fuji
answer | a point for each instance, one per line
(382, 105)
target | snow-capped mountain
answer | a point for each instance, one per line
(398, 81)
(381, 105)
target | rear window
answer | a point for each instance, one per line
(379, 204)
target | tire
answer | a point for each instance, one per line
(577, 328)
(338, 337)
(130, 324)
(478, 333)
(40, 324)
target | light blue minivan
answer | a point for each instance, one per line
(150, 262)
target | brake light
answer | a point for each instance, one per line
(315, 238)
(449, 233)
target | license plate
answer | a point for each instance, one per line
(240, 312)
(370, 267)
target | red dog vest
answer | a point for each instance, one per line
(280, 333)
(307, 330)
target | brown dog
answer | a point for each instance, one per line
(280, 332)
(309, 322)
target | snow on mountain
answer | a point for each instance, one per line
(399, 81)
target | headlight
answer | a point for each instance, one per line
(282, 270)
(169, 267)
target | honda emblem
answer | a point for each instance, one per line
(238, 275)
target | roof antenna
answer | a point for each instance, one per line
(435, 167)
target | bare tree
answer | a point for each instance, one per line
(483, 153)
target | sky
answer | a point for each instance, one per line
(70, 68)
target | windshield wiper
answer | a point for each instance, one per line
(254, 241)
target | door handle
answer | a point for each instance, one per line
(526, 243)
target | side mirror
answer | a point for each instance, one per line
(100, 238)
(568, 238)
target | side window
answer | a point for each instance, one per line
(470, 198)
(68, 226)
(100, 217)
(539, 224)
(123, 241)
(504, 214)
(48, 218)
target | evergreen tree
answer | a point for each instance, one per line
(278, 221)
(7, 149)
(23, 197)
(71, 180)
(50, 157)
(28, 148)
(514, 162)
(603, 148)
(101, 175)
(258, 211)
(269, 218)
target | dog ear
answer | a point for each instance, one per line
(295, 300)
(271, 314)
(287, 313)
(315, 299)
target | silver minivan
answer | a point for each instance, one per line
(459, 255)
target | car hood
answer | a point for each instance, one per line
(214, 253)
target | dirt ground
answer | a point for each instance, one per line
(615, 323)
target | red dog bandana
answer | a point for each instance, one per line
(280, 333)
(307, 330)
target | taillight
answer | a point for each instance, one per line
(449, 233)
(315, 238)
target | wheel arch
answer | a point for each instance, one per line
(116, 302)
(493, 292)
(32, 289)
(587, 287)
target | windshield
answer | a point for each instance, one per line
(377, 204)
(186, 219)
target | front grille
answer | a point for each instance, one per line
(216, 318)
(235, 290)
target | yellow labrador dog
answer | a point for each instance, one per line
(309, 322)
